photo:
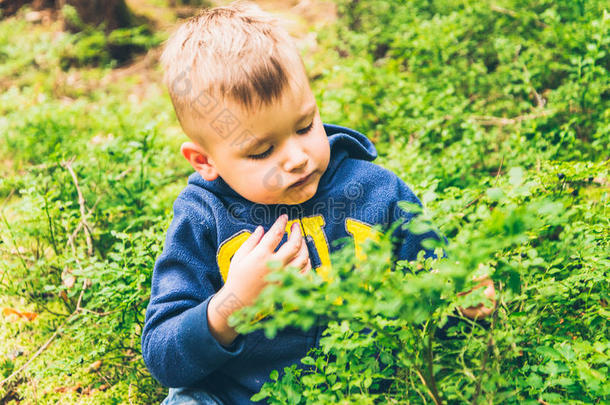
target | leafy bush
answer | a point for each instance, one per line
(82, 264)
(93, 46)
(547, 340)
(497, 114)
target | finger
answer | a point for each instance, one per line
(307, 267)
(484, 281)
(490, 292)
(249, 243)
(478, 312)
(301, 259)
(274, 235)
(291, 248)
(470, 312)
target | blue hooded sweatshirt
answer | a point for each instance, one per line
(210, 222)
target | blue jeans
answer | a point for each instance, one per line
(190, 396)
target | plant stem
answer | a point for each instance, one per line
(430, 360)
(486, 355)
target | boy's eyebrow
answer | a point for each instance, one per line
(260, 140)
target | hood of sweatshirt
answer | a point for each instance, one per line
(344, 143)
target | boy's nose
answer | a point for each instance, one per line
(296, 159)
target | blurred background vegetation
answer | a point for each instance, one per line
(495, 112)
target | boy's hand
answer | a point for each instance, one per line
(481, 311)
(247, 271)
(248, 266)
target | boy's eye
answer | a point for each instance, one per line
(268, 151)
(306, 129)
(262, 155)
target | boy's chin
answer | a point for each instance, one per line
(297, 196)
(297, 201)
(302, 195)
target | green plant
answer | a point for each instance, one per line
(496, 113)
(94, 46)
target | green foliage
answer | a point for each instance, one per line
(496, 113)
(93, 46)
(126, 219)
(474, 77)
(547, 253)
(122, 149)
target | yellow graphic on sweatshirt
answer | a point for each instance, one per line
(227, 249)
(313, 227)
(361, 232)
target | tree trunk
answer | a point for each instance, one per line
(112, 13)
(10, 7)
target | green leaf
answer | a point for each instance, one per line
(515, 176)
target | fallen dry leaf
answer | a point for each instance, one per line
(74, 388)
(30, 316)
(95, 366)
(63, 296)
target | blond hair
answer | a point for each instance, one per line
(237, 53)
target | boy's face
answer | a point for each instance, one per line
(271, 150)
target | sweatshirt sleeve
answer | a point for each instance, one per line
(177, 345)
(408, 244)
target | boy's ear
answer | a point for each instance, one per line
(200, 160)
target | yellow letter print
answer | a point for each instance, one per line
(311, 226)
(361, 232)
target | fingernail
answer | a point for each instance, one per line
(258, 230)
(281, 219)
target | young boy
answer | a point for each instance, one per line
(265, 165)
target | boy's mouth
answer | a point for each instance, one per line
(302, 180)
